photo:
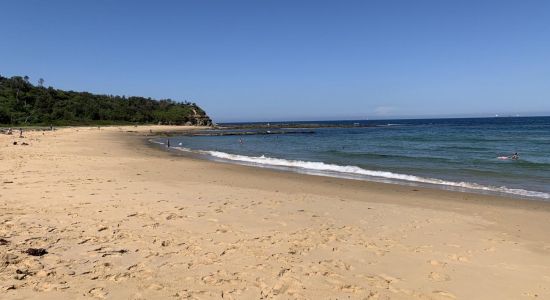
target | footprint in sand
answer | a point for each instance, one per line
(459, 258)
(190, 294)
(98, 292)
(436, 263)
(435, 276)
(490, 249)
(444, 295)
(155, 286)
(350, 288)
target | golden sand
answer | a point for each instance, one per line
(121, 220)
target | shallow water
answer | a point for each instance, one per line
(449, 153)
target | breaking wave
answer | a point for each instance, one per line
(321, 168)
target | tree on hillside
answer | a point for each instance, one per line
(23, 103)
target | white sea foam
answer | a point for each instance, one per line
(156, 142)
(354, 171)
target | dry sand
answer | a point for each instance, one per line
(121, 220)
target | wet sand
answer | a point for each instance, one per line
(122, 220)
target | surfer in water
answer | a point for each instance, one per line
(514, 156)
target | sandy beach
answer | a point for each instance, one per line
(122, 220)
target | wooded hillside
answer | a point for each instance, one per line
(22, 103)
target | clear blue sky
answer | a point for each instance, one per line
(289, 60)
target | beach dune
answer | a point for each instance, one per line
(120, 219)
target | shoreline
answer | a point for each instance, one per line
(391, 193)
(355, 183)
(121, 219)
(481, 190)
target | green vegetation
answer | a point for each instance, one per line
(22, 103)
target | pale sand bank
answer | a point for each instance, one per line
(123, 221)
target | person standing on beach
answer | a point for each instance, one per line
(168, 143)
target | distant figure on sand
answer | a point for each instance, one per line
(20, 132)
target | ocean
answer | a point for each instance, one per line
(466, 154)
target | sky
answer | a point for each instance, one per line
(291, 60)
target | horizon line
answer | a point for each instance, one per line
(544, 115)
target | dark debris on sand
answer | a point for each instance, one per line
(3, 242)
(36, 251)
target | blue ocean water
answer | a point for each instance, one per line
(459, 154)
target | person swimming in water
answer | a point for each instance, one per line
(515, 156)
